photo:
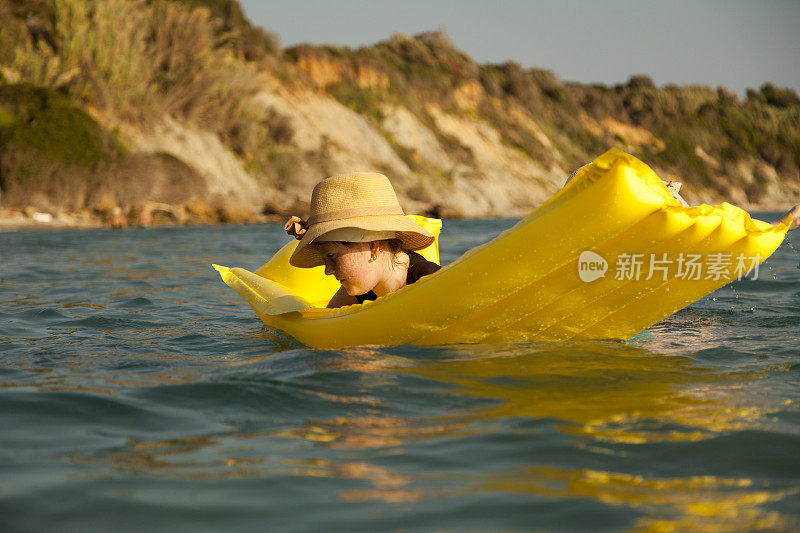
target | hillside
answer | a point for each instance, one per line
(186, 109)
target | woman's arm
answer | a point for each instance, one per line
(341, 299)
(795, 212)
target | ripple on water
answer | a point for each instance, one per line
(38, 315)
(75, 422)
(120, 322)
(134, 303)
(242, 398)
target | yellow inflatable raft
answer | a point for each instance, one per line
(607, 256)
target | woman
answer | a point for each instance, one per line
(358, 230)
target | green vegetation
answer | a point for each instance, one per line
(48, 122)
(365, 102)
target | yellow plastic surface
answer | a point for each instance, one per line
(525, 284)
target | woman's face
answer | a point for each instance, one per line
(351, 265)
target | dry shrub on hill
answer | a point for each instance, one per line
(137, 61)
(250, 42)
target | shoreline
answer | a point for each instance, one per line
(19, 221)
(14, 219)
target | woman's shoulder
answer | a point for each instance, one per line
(418, 266)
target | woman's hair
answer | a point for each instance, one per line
(393, 246)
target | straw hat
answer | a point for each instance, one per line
(357, 207)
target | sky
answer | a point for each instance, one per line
(732, 43)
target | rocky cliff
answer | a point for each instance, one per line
(185, 104)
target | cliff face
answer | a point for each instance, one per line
(206, 113)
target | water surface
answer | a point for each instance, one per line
(138, 393)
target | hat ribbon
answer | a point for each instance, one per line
(355, 212)
(296, 227)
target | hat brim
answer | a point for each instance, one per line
(411, 235)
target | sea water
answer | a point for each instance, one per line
(139, 393)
